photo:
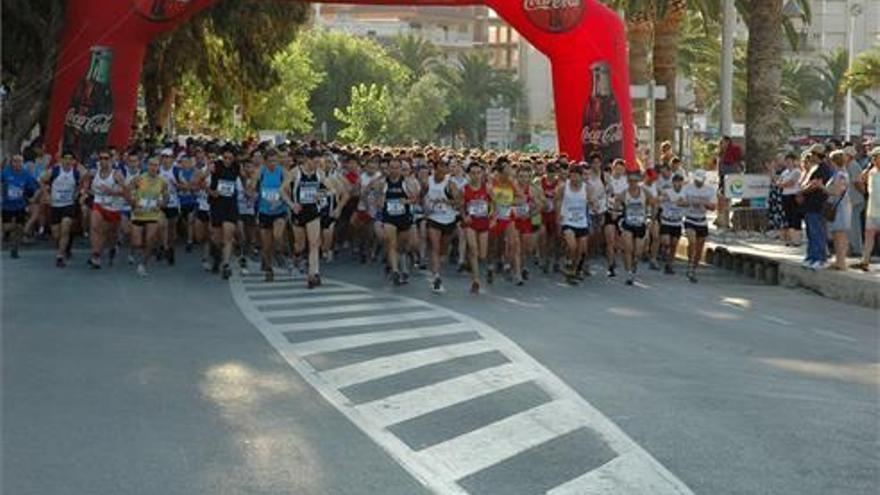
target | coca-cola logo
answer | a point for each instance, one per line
(89, 124)
(603, 137)
(554, 16)
(160, 10)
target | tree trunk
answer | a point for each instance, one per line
(666, 68)
(639, 37)
(765, 127)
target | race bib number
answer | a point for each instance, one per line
(440, 207)
(226, 188)
(148, 204)
(395, 207)
(308, 195)
(503, 211)
(522, 211)
(478, 208)
(635, 215)
(14, 193)
(62, 195)
(577, 214)
(270, 195)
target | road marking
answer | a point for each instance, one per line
(442, 466)
(377, 368)
(477, 450)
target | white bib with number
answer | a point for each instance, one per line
(478, 208)
(14, 193)
(226, 188)
(395, 207)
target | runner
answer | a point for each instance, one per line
(440, 199)
(634, 203)
(396, 197)
(459, 178)
(273, 211)
(186, 194)
(698, 198)
(62, 183)
(572, 203)
(246, 200)
(549, 216)
(222, 191)
(671, 216)
(171, 211)
(503, 238)
(529, 203)
(475, 212)
(302, 191)
(18, 187)
(616, 185)
(202, 222)
(331, 206)
(595, 179)
(147, 196)
(107, 187)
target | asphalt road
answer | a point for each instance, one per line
(175, 384)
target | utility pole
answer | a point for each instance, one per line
(727, 34)
(855, 11)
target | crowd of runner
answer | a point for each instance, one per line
(495, 216)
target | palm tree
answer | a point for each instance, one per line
(865, 73)
(473, 86)
(415, 53)
(832, 79)
(670, 16)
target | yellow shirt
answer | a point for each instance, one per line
(146, 197)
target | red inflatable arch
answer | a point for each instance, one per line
(584, 40)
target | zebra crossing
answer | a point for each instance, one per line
(453, 401)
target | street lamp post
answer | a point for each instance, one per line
(855, 10)
(727, 34)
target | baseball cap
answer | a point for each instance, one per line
(875, 151)
(699, 175)
(167, 152)
(851, 151)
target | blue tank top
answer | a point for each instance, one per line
(186, 174)
(270, 191)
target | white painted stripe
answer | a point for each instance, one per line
(257, 280)
(413, 403)
(384, 366)
(479, 449)
(348, 341)
(305, 301)
(630, 473)
(360, 320)
(294, 291)
(342, 309)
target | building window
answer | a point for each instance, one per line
(493, 34)
(502, 35)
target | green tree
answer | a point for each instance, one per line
(286, 106)
(865, 73)
(229, 48)
(419, 114)
(415, 53)
(31, 32)
(473, 86)
(367, 115)
(345, 62)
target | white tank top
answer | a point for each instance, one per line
(634, 208)
(168, 176)
(574, 206)
(106, 201)
(616, 187)
(63, 189)
(597, 188)
(439, 206)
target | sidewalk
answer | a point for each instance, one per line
(764, 257)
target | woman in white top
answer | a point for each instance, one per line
(789, 181)
(440, 200)
(870, 181)
(838, 191)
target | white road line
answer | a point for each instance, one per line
(479, 449)
(341, 309)
(413, 403)
(627, 474)
(349, 341)
(252, 280)
(643, 475)
(384, 366)
(305, 301)
(420, 314)
(299, 290)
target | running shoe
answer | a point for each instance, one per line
(94, 262)
(475, 287)
(631, 279)
(611, 273)
(59, 261)
(490, 276)
(653, 265)
(395, 278)
(437, 285)
(227, 272)
(525, 274)
(141, 270)
(111, 257)
(668, 270)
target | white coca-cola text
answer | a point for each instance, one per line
(603, 137)
(534, 5)
(89, 124)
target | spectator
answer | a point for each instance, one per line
(775, 212)
(871, 183)
(814, 197)
(789, 181)
(838, 192)
(853, 170)
(730, 156)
